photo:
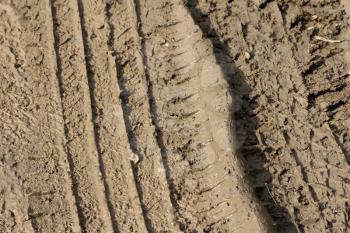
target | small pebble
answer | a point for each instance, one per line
(247, 55)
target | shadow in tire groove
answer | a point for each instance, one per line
(72, 168)
(247, 144)
(154, 113)
(126, 113)
(95, 114)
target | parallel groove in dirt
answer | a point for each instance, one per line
(70, 180)
(130, 138)
(75, 95)
(37, 166)
(136, 101)
(60, 88)
(92, 87)
(322, 54)
(114, 149)
(299, 160)
(154, 111)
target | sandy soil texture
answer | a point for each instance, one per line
(191, 116)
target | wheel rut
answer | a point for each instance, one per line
(149, 171)
(89, 188)
(38, 195)
(112, 141)
(192, 107)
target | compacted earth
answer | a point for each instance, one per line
(189, 116)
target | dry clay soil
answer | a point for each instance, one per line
(174, 116)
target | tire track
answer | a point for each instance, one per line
(317, 66)
(291, 134)
(85, 27)
(299, 156)
(136, 101)
(192, 108)
(108, 120)
(88, 187)
(32, 146)
(68, 163)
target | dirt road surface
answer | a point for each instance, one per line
(191, 116)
